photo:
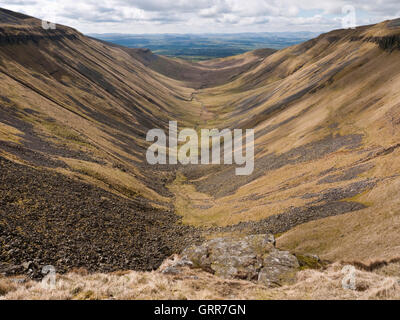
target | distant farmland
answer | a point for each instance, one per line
(206, 46)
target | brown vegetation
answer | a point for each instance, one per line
(74, 113)
(198, 285)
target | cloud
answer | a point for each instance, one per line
(185, 16)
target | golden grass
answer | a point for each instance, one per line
(327, 285)
(9, 133)
(6, 286)
(64, 133)
(187, 198)
(134, 286)
(364, 235)
(198, 285)
(113, 179)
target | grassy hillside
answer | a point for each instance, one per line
(326, 114)
(74, 113)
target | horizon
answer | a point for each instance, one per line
(206, 33)
(196, 47)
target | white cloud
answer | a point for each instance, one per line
(185, 16)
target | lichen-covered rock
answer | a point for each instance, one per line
(251, 258)
(279, 267)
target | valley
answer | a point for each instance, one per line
(76, 190)
(201, 47)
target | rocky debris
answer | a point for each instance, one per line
(387, 43)
(6, 269)
(35, 147)
(293, 217)
(30, 268)
(49, 219)
(327, 203)
(342, 193)
(171, 270)
(253, 258)
(347, 174)
(215, 182)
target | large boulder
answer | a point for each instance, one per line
(251, 258)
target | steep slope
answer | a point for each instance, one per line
(199, 75)
(203, 74)
(92, 98)
(74, 114)
(326, 117)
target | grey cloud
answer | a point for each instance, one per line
(274, 15)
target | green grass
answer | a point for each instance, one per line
(64, 133)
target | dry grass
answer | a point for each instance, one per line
(194, 284)
(64, 133)
(358, 100)
(9, 133)
(6, 286)
(365, 235)
(113, 179)
(327, 285)
(136, 286)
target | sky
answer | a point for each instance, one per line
(206, 16)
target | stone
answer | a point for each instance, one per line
(183, 263)
(175, 265)
(279, 268)
(231, 258)
(271, 238)
(253, 258)
(172, 270)
(27, 265)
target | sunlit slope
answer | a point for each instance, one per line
(326, 115)
(89, 105)
(203, 74)
(75, 188)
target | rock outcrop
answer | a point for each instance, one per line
(253, 258)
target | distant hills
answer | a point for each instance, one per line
(207, 46)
